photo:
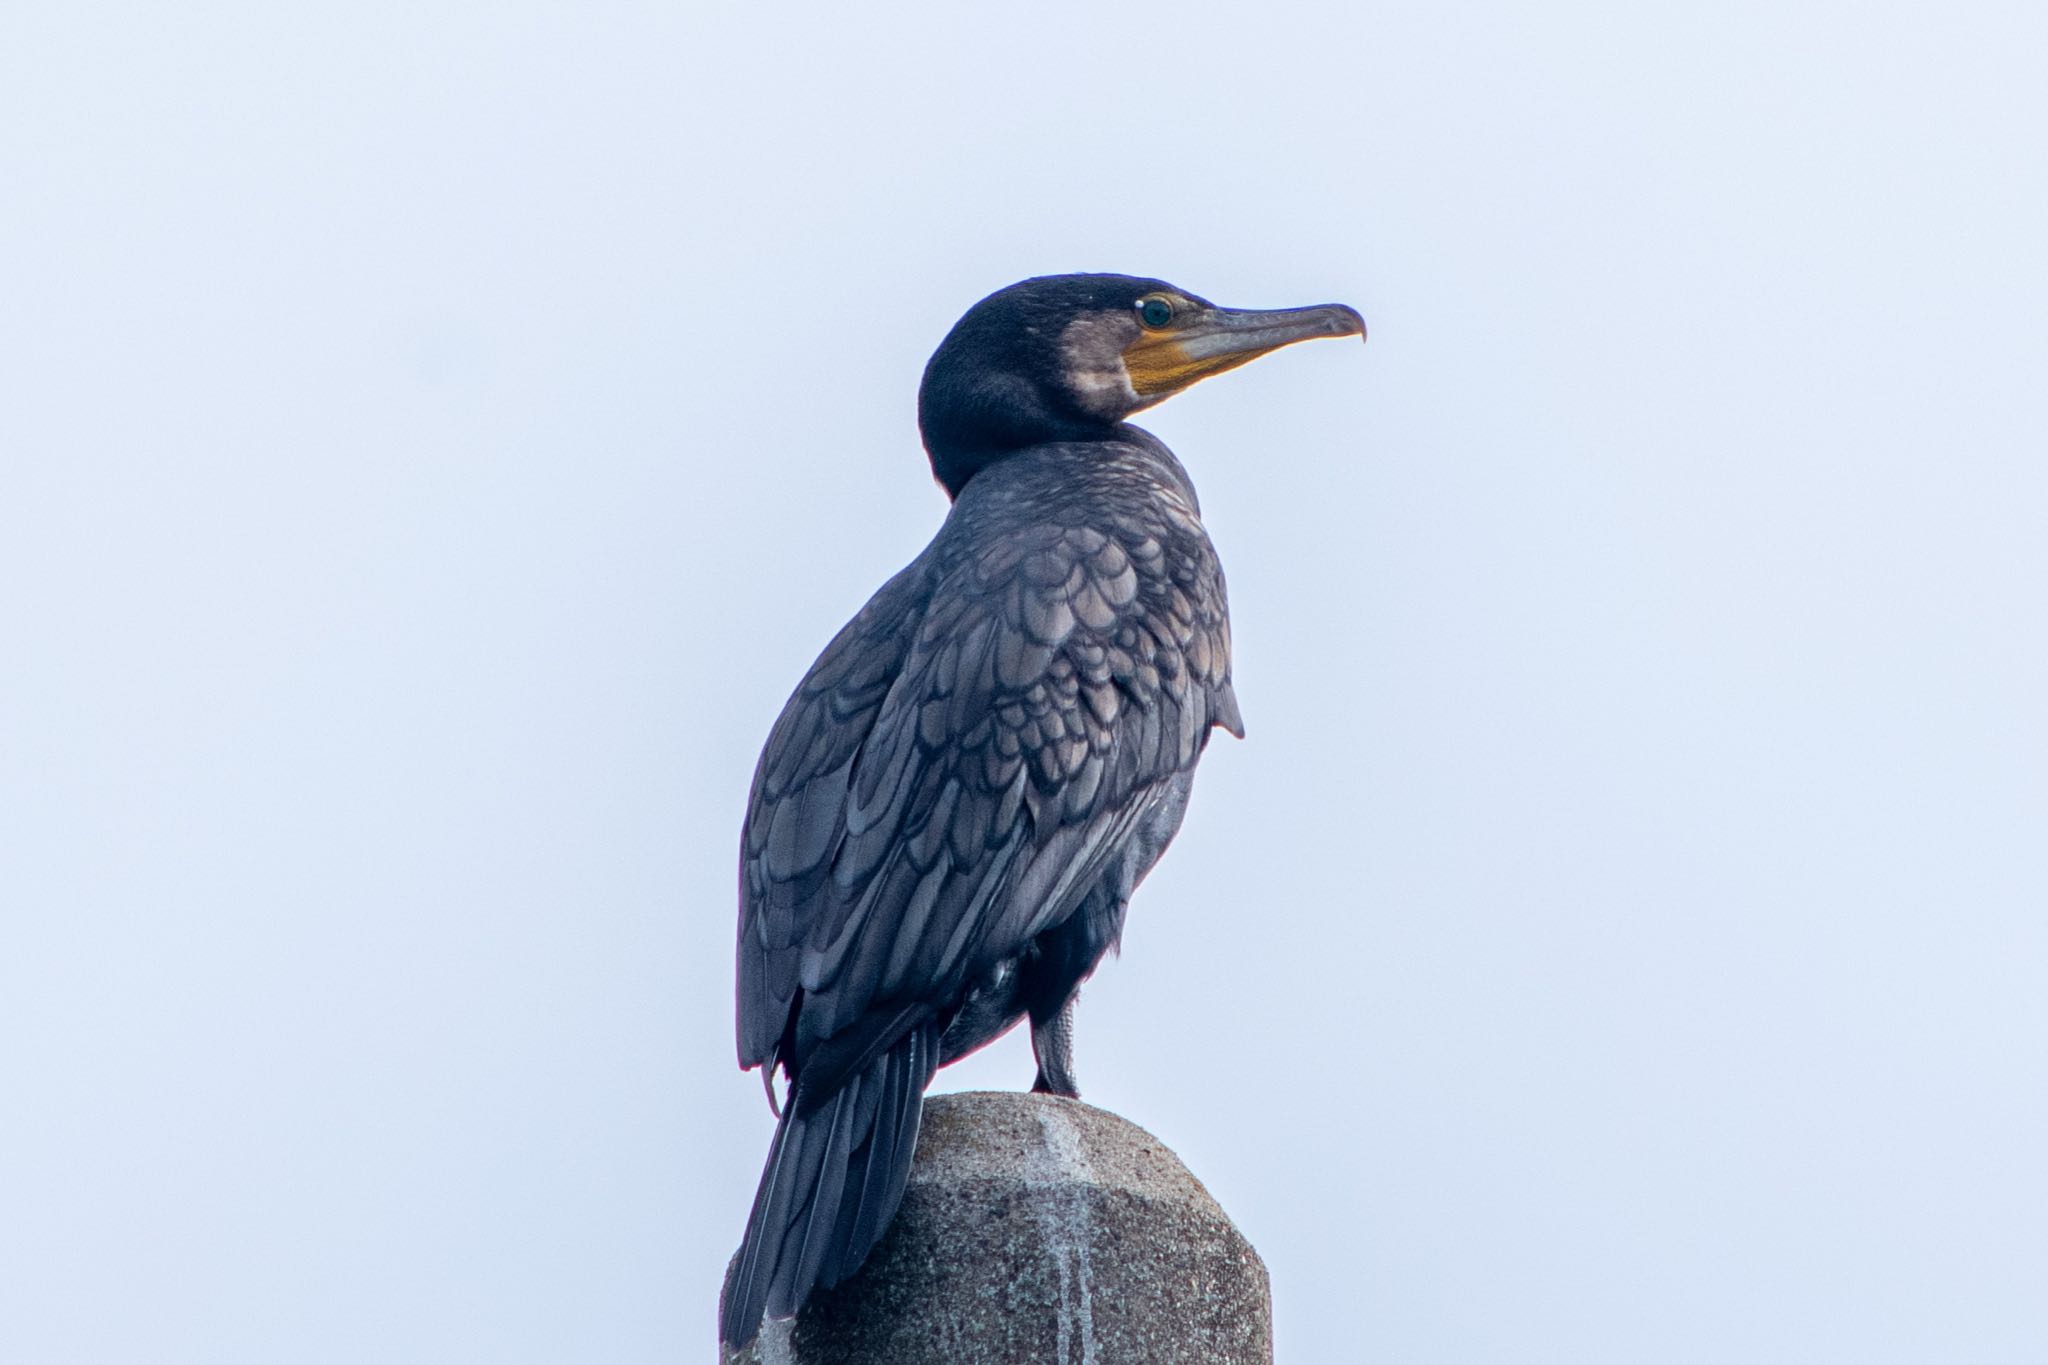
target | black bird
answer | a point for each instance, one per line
(955, 806)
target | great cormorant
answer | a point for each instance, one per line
(955, 806)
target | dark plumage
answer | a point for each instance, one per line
(954, 808)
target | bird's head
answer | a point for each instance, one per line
(1068, 357)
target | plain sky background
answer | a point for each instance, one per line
(437, 437)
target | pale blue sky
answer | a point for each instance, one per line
(437, 437)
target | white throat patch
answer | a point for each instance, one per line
(1092, 350)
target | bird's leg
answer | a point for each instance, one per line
(1052, 1042)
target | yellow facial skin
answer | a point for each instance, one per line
(1199, 340)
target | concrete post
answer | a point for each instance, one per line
(1040, 1231)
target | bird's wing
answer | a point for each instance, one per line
(907, 832)
(796, 814)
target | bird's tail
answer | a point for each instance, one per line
(834, 1177)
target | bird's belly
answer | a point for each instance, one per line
(992, 1008)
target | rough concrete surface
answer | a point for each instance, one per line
(1040, 1231)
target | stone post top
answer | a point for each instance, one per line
(1037, 1230)
(1010, 1137)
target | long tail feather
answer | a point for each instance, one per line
(835, 1174)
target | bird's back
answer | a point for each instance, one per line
(977, 746)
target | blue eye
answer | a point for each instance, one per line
(1154, 311)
